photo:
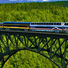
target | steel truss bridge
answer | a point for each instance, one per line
(53, 46)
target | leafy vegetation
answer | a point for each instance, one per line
(35, 12)
(32, 12)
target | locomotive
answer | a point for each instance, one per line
(35, 26)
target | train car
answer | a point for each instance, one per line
(1, 26)
(16, 25)
(46, 26)
(65, 27)
(36, 26)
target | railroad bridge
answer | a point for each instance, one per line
(49, 45)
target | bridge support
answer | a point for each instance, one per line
(51, 47)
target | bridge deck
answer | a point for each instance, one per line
(33, 33)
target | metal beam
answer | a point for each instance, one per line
(50, 45)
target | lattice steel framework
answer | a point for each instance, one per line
(52, 46)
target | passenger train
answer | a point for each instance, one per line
(36, 26)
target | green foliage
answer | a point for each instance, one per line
(27, 59)
(34, 12)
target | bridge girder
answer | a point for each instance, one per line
(50, 47)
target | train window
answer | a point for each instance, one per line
(66, 23)
(50, 23)
(47, 23)
(17, 25)
(32, 23)
(58, 23)
(54, 23)
(44, 23)
(40, 23)
(35, 23)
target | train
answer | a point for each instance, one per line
(36, 26)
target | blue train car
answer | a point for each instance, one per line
(16, 25)
(1, 26)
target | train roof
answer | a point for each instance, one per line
(66, 22)
(16, 22)
(1, 23)
(46, 22)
